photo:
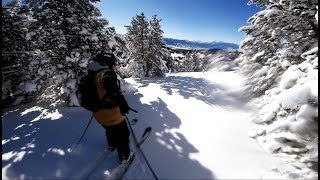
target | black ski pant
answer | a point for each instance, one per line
(118, 137)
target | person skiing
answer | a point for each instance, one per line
(112, 114)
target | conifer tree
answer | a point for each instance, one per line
(280, 58)
(155, 66)
(15, 50)
(67, 34)
(280, 33)
(146, 44)
(137, 38)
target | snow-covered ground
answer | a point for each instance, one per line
(200, 125)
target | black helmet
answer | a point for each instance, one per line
(105, 59)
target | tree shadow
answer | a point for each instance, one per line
(210, 93)
(35, 145)
(167, 151)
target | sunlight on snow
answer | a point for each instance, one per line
(5, 170)
(48, 115)
(162, 142)
(56, 151)
(178, 148)
(107, 172)
(35, 108)
(29, 145)
(15, 138)
(54, 115)
(5, 141)
(7, 156)
(172, 141)
(13, 154)
(20, 126)
(9, 112)
(19, 156)
(44, 113)
(149, 97)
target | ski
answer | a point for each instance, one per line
(144, 136)
(138, 144)
(103, 157)
(120, 170)
(133, 121)
(89, 168)
(86, 172)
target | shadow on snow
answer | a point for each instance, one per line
(35, 144)
(168, 151)
(210, 93)
(34, 147)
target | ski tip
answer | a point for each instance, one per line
(133, 121)
(146, 131)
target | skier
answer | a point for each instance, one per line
(112, 117)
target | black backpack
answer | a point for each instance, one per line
(87, 91)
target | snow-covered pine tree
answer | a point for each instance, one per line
(221, 61)
(196, 62)
(205, 63)
(66, 34)
(15, 22)
(170, 63)
(155, 62)
(188, 63)
(280, 57)
(137, 38)
(280, 33)
(118, 44)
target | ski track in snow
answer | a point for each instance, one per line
(200, 125)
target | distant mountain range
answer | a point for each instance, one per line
(200, 45)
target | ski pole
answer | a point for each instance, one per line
(84, 131)
(133, 110)
(139, 149)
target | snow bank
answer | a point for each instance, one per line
(288, 118)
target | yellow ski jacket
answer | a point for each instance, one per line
(108, 116)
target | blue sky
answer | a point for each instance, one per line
(200, 20)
